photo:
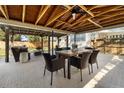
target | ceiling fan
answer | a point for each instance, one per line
(77, 10)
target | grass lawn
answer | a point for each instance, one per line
(2, 52)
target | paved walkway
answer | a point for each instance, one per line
(30, 75)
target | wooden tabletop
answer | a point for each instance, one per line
(73, 53)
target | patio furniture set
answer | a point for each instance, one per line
(80, 58)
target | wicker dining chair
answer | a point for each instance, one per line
(53, 65)
(93, 59)
(81, 62)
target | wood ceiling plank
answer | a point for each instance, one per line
(81, 24)
(86, 10)
(97, 6)
(64, 19)
(108, 15)
(67, 6)
(57, 24)
(41, 13)
(109, 9)
(112, 23)
(3, 12)
(117, 18)
(23, 12)
(71, 20)
(60, 23)
(57, 16)
(90, 13)
(107, 23)
(94, 23)
(103, 12)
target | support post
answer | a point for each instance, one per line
(42, 42)
(67, 41)
(48, 44)
(74, 38)
(104, 46)
(12, 38)
(6, 44)
(52, 41)
(58, 41)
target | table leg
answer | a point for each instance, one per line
(69, 70)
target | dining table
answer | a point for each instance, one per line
(66, 54)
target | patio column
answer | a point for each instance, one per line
(74, 38)
(58, 41)
(6, 44)
(42, 42)
(104, 46)
(48, 44)
(67, 41)
(52, 41)
(12, 38)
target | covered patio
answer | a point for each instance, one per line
(30, 75)
(57, 21)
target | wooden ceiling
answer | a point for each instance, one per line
(60, 16)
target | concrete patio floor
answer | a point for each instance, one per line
(30, 74)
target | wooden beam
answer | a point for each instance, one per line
(32, 26)
(41, 13)
(107, 22)
(94, 23)
(3, 12)
(80, 20)
(71, 20)
(63, 22)
(41, 10)
(108, 16)
(104, 28)
(58, 24)
(102, 12)
(80, 25)
(23, 13)
(57, 16)
(113, 20)
(89, 12)
(109, 9)
(96, 6)
(6, 11)
(86, 29)
(67, 6)
(85, 9)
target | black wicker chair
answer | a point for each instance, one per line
(81, 62)
(53, 65)
(93, 59)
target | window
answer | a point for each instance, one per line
(80, 37)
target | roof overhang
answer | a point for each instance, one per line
(7, 22)
(100, 29)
